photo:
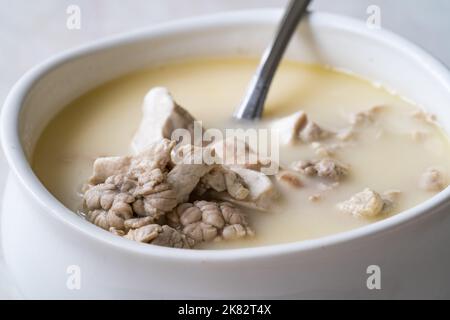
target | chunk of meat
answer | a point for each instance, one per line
(298, 127)
(205, 221)
(433, 180)
(261, 187)
(117, 232)
(325, 168)
(366, 204)
(222, 179)
(390, 200)
(262, 190)
(230, 183)
(186, 175)
(156, 156)
(365, 117)
(126, 187)
(290, 178)
(156, 201)
(161, 116)
(235, 152)
(108, 207)
(144, 234)
(108, 166)
(106, 220)
(313, 133)
(391, 195)
(290, 127)
(215, 179)
(169, 237)
(235, 185)
(145, 230)
(122, 197)
(159, 235)
(144, 190)
(137, 223)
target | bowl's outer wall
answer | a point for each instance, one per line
(414, 263)
(40, 247)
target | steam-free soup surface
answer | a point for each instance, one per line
(388, 155)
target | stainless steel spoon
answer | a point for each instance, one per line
(253, 105)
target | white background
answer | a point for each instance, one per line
(31, 31)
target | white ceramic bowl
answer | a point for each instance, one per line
(41, 238)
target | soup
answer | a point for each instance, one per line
(351, 153)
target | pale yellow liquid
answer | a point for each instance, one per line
(385, 157)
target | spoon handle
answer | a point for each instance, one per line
(253, 105)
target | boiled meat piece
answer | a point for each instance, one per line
(161, 116)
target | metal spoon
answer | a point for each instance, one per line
(253, 105)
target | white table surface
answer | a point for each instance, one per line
(31, 31)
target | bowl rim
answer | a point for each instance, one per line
(22, 170)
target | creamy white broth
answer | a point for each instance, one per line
(384, 157)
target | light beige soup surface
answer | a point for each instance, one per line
(385, 157)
